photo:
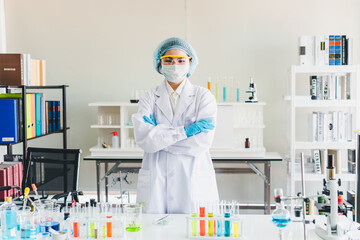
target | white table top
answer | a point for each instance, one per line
(255, 227)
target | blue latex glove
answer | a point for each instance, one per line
(202, 125)
(150, 120)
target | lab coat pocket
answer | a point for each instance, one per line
(143, 188)
(204, 186)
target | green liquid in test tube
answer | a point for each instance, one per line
(193, 225)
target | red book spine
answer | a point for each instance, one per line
(3, 183)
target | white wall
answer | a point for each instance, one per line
(103, 49)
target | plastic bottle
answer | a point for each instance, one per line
(115, 140)
(8, 219)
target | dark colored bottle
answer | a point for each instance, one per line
(247, 143)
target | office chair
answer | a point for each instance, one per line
(54, 171)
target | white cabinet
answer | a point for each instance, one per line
(301, 109)
(235, 123)
(115, 116)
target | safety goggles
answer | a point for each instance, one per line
(177, 59)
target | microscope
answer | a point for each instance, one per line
(331, 230)
(252, 89)
(331, 184)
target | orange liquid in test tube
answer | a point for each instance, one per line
(202, 222)
(76, 229)
(109, 228)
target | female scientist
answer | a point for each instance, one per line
(175, 127)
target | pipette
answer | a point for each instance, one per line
(26, 192)
(34, 188)
(26, 196)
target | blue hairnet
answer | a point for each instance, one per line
(175, 43)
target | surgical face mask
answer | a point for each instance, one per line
(175, 73)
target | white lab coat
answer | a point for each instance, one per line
(176, 170)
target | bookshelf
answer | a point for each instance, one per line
(302, 106)
(24, 90)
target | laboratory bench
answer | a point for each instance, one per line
(255, 227)
(131, 163)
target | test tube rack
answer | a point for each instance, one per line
(234, 234)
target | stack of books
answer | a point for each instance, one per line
(325, 50)
(330, 87)
(331, 127)
(42, 117)
(19, 69)
(11, 174)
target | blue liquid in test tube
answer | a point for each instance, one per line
(227, 226)
(219, 228)
(224, 94)
(238, 95)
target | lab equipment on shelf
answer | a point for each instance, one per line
(252, 89)
(214, 220)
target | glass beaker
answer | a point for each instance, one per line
(133, 216)
(29, 224)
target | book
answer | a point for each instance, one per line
(338, 50)
(50, 116)
(57, 116)
(313, 129)
(352, 161)
(38, 114)
(337, 159)
(307, 50)
(325, 80)
(313, 80)
(332, 50)
(343, 50)
(53, 116)
(9, 121)
(348, 87)
(42, 72)
(43, 114)
(3, 183)
(11, 69)
(32, 114)
(317, 161)
(320, 50)
(47, 116)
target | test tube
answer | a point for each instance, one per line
(224, 89)
(227, 223)
(217, 89)
(230, 87)
(194, 221)
(210, 222)
(219, 222)
(236, 222)
(109, 222)
(238, 91)
(202, 222)
(209, 83)
(75, 223)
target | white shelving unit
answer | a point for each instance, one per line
(120, 114)
(236, 121)
(301, 105)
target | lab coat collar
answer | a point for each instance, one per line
(186, 98)
(163, 101)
